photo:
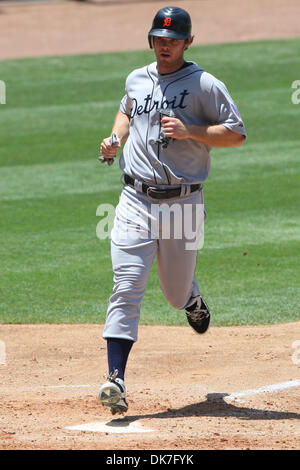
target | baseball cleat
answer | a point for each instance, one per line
(198, 316)
(113, 394)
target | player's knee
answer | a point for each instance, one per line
(129, 294)
(130, 290)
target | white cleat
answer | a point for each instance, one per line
(113, 394)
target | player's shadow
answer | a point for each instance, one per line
(214, 406)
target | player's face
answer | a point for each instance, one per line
(169, 53)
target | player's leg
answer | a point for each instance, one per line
(176, 268)
(177, 259)
(113, 391)
(131, 268)
(132, 255)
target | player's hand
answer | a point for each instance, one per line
(174, 128)
(107, 150)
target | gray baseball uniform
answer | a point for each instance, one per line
(196, 98)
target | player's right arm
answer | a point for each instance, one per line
(121, 129)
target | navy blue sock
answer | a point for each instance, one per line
(118, 350)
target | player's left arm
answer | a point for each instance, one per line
(216, 135)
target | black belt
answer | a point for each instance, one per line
(156, 193)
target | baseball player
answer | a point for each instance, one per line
(172, 114)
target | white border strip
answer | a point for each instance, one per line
(265, 389)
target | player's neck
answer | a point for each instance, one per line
(163, 67)
(184, 65)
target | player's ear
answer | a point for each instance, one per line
(188, 42)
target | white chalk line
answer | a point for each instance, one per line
(136, 427)
(72, 386)
(48, 387)
(265, 389)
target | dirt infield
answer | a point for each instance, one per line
(81, 27)
(233, 388)
(179, 387)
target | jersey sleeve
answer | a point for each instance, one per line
(125, 105)
(220, 108)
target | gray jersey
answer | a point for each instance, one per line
(196, 98)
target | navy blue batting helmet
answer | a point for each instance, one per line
(171, 22)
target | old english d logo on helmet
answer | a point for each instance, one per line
(167, 22)
(171, 22)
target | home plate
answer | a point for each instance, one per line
(115, 426)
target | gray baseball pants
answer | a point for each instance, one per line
(141, 232)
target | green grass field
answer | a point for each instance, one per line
(53, 267)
